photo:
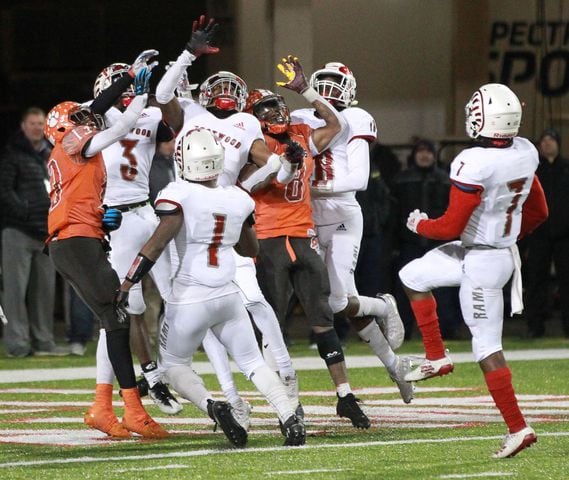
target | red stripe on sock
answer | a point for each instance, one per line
(500, 386)
(428, 322)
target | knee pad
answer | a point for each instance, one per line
(329, 347)
(136, 305)
(337, 303)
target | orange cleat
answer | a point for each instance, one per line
(136, 419)
(105, 421)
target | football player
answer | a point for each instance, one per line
(222, 98)
(206, 221)
(339, 172)
(77, 223)
(495, 198)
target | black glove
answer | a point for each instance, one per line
(121, 304)
(295, 154)
(202, 35)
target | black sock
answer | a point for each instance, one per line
(118, 346)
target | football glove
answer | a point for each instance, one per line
(202, 35)
(414, 218)
(295, 154)
(292, 70)
(142, 81)
(121, 304)
(112, 219)
(142, 62)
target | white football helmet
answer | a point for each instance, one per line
(336, 83)
(199, 156)
(225, 91)
(109, 75)
(493, 111)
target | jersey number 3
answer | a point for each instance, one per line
(129, 170)
(213, 247)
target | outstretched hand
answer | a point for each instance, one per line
(142, 81)
(202, 35)
(142, 62)
(292, 70)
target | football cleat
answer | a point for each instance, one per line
(241, 410)
(220, 413)
(143, 424)
(514, 443)
(391, 325)
(293, 431)
(348, 407)
(430, 368)
(164, 399)
(106, 422)
(402, 368)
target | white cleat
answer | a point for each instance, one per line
(430, 368)
(402, 368)
(514, 443)
(391, 325)
(241, 411)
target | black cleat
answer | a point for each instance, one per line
(299, 412)
(220, 413)
(293, 431)
(348, 407)
(163, 398)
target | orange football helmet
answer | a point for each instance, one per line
(270, 109)
(65, 116)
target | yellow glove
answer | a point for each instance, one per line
(292, 70)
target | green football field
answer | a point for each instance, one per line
(449, 431)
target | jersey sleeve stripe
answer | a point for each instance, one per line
(466, 187)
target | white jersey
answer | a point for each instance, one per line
(335, 164)
(236, 133)
(128, 161)
(506, 176)
(203, 264)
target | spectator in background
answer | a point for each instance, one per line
(426, 187)
(375, 267)
(550, 241)
(28, 275)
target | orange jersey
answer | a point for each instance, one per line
(76, 194)
(284, 210)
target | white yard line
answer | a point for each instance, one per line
(245, 451)
(477, 475)
(299, 363)
(319, 470)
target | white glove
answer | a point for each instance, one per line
(142, 61)
(414, 218)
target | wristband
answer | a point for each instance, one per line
(140, 267)
(311, 95)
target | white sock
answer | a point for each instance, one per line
(270, 385)
(189, 385)
(266, 321)
(372, 335)
(371, 306)
(343, 389)
(105, 372)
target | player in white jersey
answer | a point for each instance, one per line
(339, 172)
(128, 163)
(206, 221)
(495, 199)
(219, 109)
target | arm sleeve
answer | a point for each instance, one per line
(109, 96)
(534, 210)
(358, 168)
(165, 91)
(122, 126)
(448, 227)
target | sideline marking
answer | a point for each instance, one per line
(291, 451)
(474, 475)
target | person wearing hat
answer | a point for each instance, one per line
(549, 243)
(425, 186)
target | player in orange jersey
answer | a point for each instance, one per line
(77, 223)
(288, 259)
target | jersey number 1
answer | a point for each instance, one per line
(213, 247)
